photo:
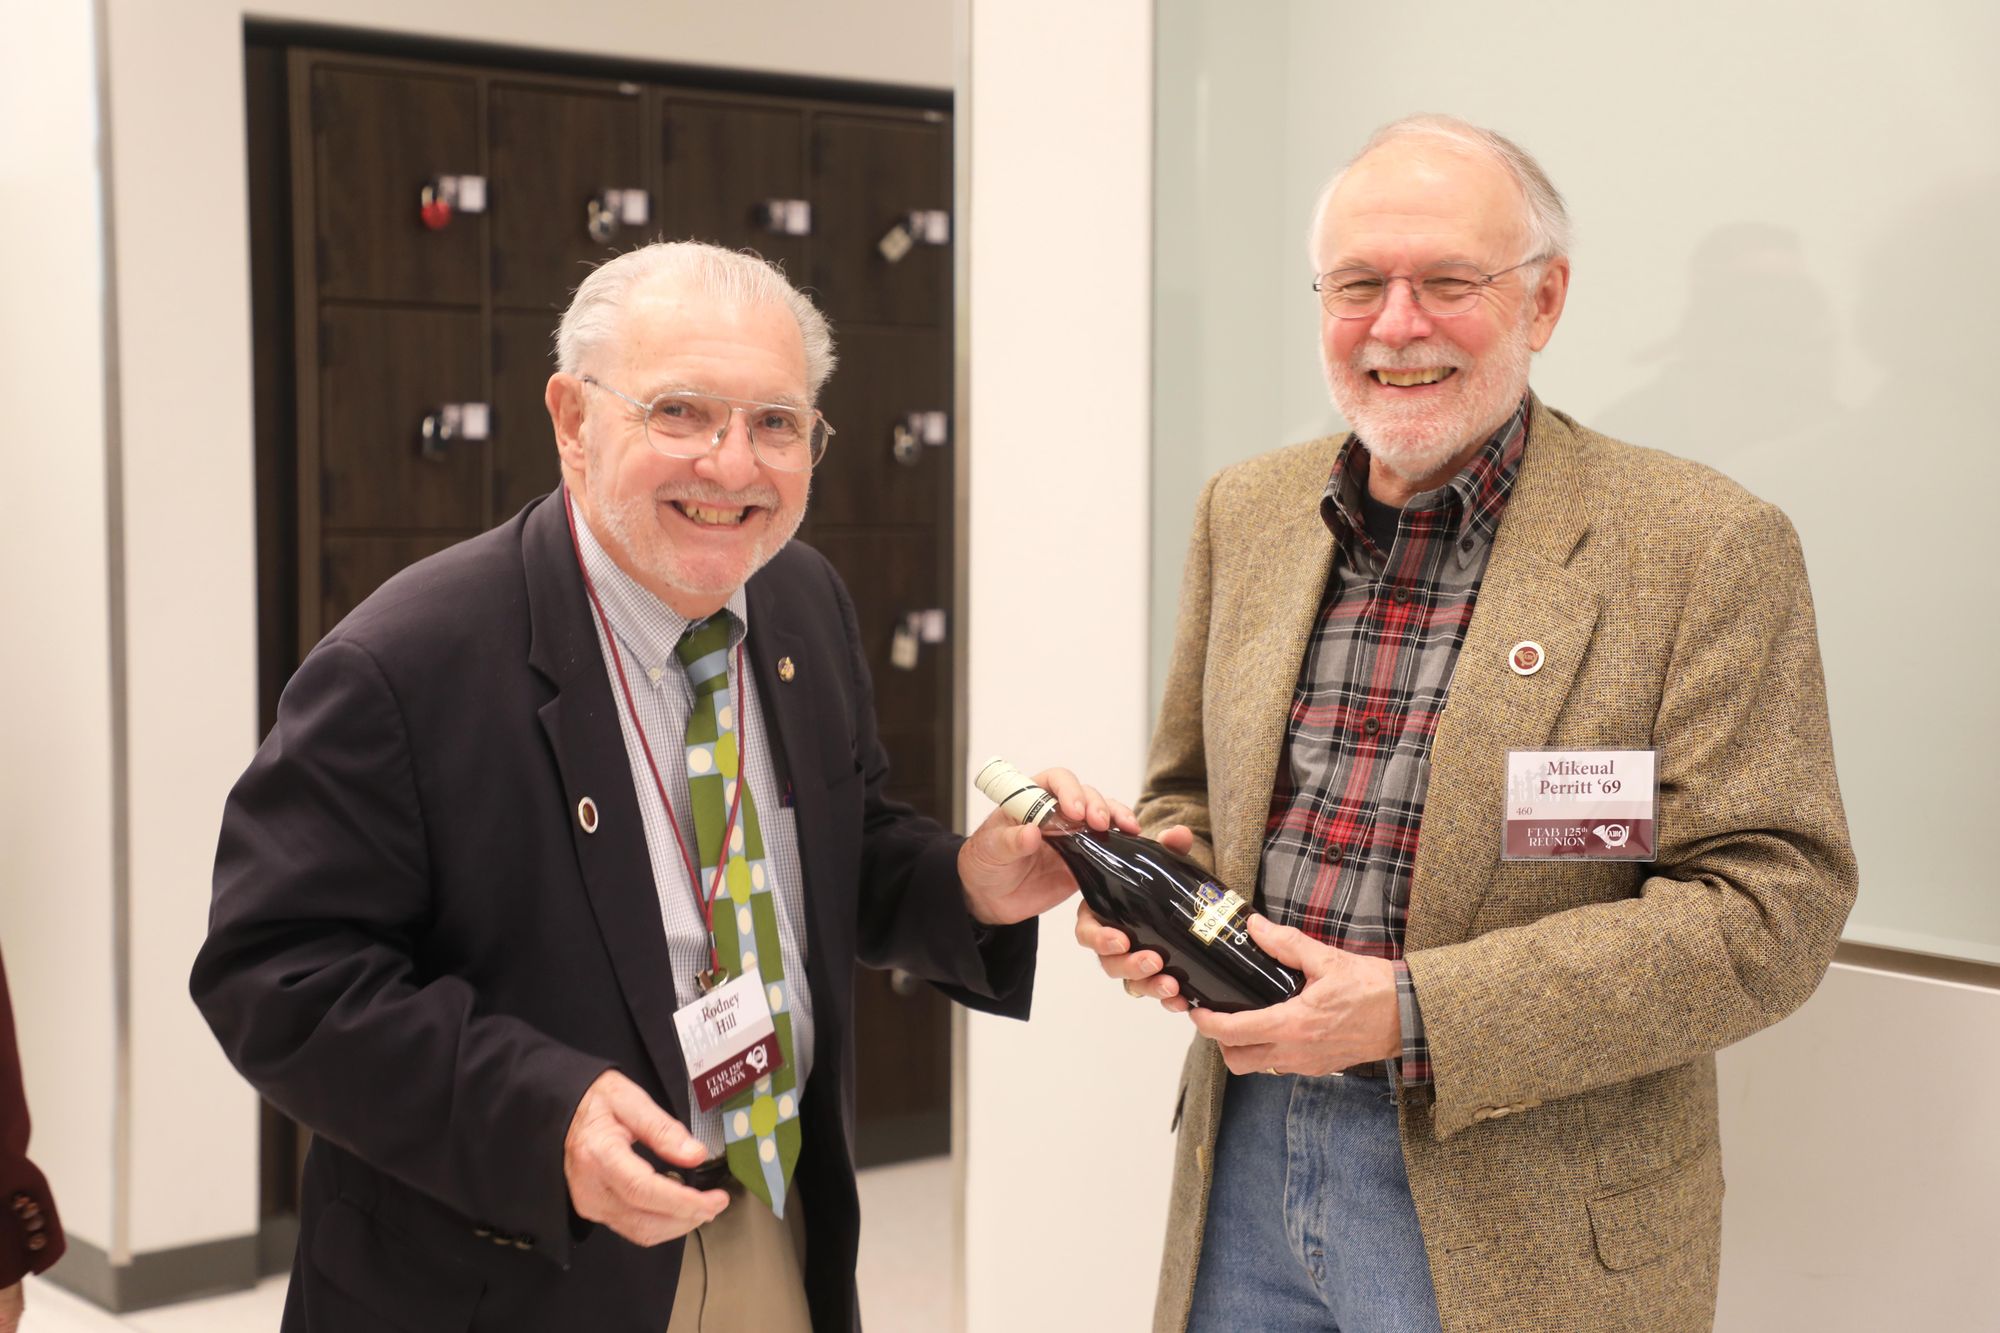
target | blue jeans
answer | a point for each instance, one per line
(1310, 1221)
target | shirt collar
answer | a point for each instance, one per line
(1478, 491)
(646, 627)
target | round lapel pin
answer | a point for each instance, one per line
(785, 669)
(1526, 658)
(586, 814)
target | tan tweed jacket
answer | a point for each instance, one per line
(1565, 1164)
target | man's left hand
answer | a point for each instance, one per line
(1009, 871)
(1345, 1016)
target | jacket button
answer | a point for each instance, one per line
(523, 1243)
(38, 1242)
(1483, 1113)
(482, 1232)
(20, 1201)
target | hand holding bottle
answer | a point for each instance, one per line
(1156, 897)
(1008, 870)
(1345, 1016)
(1138, 970)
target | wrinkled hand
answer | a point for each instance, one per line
(11, 1304)
(1010, 873)
(611, 1184)
(1346, 1015)
(1113, 949)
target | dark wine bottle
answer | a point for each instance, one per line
(1160, 899)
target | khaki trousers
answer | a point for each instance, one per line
(744, 1272)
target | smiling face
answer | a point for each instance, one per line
(691, 531)
(1424, 391)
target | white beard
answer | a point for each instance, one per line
(633, 524)
(1415, 440)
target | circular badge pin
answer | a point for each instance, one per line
(586, 814)
(1526, 658)
(785, 669)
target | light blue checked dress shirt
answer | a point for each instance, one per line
(648, 631)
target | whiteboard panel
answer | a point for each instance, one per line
(1785, 268)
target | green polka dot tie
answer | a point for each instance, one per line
(760, 1125)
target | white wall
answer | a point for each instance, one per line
(176, 109)
(1067, 1154)
(55, 732)
(1864, 1174)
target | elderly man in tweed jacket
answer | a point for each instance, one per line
(1493, 1106)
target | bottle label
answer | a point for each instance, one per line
(1218, 912)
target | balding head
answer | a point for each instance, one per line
(1540, 219)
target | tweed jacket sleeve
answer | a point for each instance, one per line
(1176, 790)
(1734, 924)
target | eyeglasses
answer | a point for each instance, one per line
(1441, 289)
(691, 425)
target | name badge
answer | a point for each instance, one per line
(728, 1040)
(1593, 805)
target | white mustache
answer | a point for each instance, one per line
(763, 497)
(1409, 358)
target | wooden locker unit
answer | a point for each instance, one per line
(385, 321)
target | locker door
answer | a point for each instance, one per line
(891, 572)
(884, 376)
(356, 566)
(524, 443)
(868, 173)
(377, 138)
(555, 150)
(721, 163)
(382, 371)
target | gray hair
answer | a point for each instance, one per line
(1545, 219)
(734, 277)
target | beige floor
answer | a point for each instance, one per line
(906, 1272)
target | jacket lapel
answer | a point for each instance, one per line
(1528, 594)
(1279, 599)
(789, 708)
(581, 721)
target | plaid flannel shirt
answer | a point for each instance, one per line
(1340, 842)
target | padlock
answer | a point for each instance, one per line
(785, 217)
(896, 242)
(433, 207)
(903, 647)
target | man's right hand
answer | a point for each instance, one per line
(1138, 971)
(611, 1184)
(10, 1308)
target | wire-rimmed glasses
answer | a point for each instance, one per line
(688, 424)
(1441, 289)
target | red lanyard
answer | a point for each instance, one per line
(705, 903)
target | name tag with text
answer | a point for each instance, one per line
(728, 1040)
(1593, 805)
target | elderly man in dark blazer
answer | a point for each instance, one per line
(31, 1235)
(532, 810)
